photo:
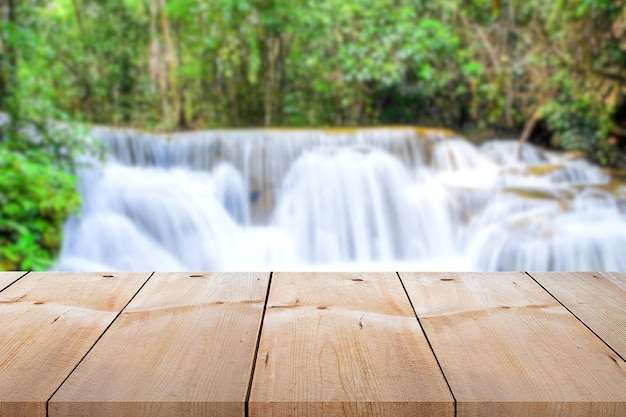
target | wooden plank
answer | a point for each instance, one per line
(617, 278)
(183, 347)
(596, 298)
(9, 277)
(48, 322)
(344, 344)
(508, 348)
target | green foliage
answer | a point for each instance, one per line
(36, 196)
(465, 64)
(37, 155)
(583, 126)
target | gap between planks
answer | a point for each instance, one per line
(507, 347)
(577, 298)
(48, 321)
(258, 343)
(429, 343)
(175, 322)
(9, 278)
(96, 342)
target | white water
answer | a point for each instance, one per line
(376, 199)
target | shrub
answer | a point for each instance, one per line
(37, 193)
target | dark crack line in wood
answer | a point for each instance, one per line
(96, 342)
(16, 279)
(428, 341)
(577, 318)
(258, 345)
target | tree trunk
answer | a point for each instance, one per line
(508, 48)
(495, 7)
(86, 99)
(158, 74)
(528, 130)
(79, 19)
(170, 58)
(8, 65)
(274, 53)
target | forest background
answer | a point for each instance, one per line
(553, 72)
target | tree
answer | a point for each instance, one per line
(37, 192)
(8, 59)
(466, 64)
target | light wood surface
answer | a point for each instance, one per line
(508, 348)
(598, 299)
(617, 278)
(331, 344)
(48, 322)
(344, 344)
(183, 347)
(7, 278)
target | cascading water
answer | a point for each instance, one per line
(363, 199)
(342, 205)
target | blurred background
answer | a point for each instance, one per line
(269, 134)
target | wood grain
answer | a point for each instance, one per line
(183, 347)
(596, 298)
(7, 278)
(617, 278)
(344, 344)
(48, 322)
(508, 348)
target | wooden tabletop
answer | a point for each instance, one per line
(312, 344)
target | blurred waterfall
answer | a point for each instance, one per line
(388, 198)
